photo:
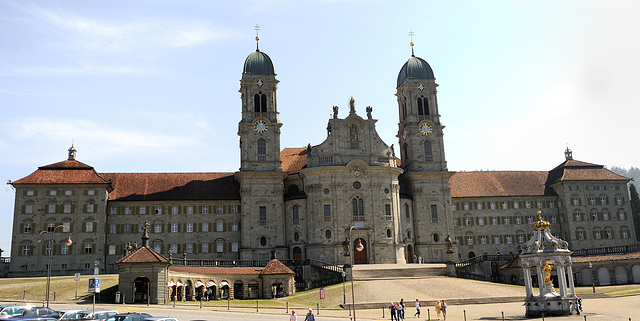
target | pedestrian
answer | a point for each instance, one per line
(443, 307)
(420, 259)
(393, 312)
(438, 307)
(415, 259)
(310, 316)
(579, 307)
(403, 308)
(293, 317)
(417, 308)
(399, 312)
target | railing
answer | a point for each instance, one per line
(254, 263)
(5, 260)
(608, 250)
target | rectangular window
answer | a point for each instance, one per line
(496, 239)
(263, 215)
(469, 240)
(26, 250)
(219, 209)
(516, 204)
(481, 221)
(625, 234)
(53, 193)
(174, 248)
(28, 209)
(90, 208)
(618, 200)
(621, 216)
(578, 217)
(47, 249)
(529, 219)
(527, 204)
(553, 219)
(234, 209)
(189, 209)
(189, 227)
(88, 248)
(465, 206)
(603, 201)
(387, 212)
(112, 250)
(234, 226)
(91, 192)
(575, 201)
(157, 228)
(539, 204)
(112, 228)
(157, 248)
(592, 201)
(327, 212)
(505, 205)
(494, 221)
(552, 204)
(219, 247)
(205, 227)
(434, 211)
(127, 228)
(68, 193)
(520, 238)
(454, 207)
(88, 227)
(114, 211)
(66, 227)
(479, 205)
(127, 211)
(467, 221)
(455, 222)
(30, 193)
(158, 210)
(27, 228)
(608, 235)
(174, 227)
(483, 240)
(598, 235)
(205, 210)
(140, 228)
(594, 216)
(65, 249)
(189, 247)
(605, 216)
(205, 247)
(506, 221)
(51, 227)
(407, 211)
(493, 205)
(219, 226)
(142, 210)
(234, 247)
(67, 208)
(52, 208)
(581, 235)
(174, 210)
(509, 239)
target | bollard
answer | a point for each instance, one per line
(428, 314)
(383, 312)
(585, 317)
(54, 295)
(228, 303)
(502, 315)
(542, 316)
(287, 307)
(24, 294)
(465, 315)
(257, 305)
(200, 303)
(174, 300)
(122, 298)
(317, 308)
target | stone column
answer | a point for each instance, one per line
(570, 272)
(562, 282)
(527, 281)
(184, 292)
(540, 279)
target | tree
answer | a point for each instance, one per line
(635, 209)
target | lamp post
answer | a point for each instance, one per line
(593, 279)
(344, 293)
(358, 248)
(50, 250)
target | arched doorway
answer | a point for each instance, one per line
(603, 276)
(360, 257)
(141, 289)
(211, 290)
(188, 291)
(297, 255)
(200, 291)
(238, 290)
(224, 290)
(254, 290)
(179, 291)
(621, 275)
(472, 255)
(635, 271)
(409, 254)
(277, 290)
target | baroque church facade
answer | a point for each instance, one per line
(307, 202)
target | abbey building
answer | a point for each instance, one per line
(401, 204)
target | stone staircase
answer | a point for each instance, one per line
(364, 272)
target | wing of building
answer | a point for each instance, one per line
(401, 204)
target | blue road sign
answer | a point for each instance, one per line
(94, 285)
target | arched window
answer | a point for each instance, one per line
(327, 234)
(427, 148)
(263, 241)
(296, 212)
(389, 233)
(260, 103)
(436, 237)
(358, 208)
(423, 105)
(262, 146)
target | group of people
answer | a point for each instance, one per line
(309, 317)
(398, 310)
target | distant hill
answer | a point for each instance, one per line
(632, 172)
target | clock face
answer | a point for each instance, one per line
(404, 134)
(260, 126)
(426, 129)
(260, 83)
(420, 86)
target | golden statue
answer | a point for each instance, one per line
(547, 273)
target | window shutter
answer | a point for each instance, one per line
(24, 208)
(22, 228)
(225, 227)
(95, 225)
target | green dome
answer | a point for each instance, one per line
(258, 63)
(416, 68)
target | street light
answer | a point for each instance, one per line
(358, 248)
(50, 250)
(593, 279)
(344, 293)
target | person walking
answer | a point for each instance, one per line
(293, 316)
(443, 307)
(438, 307)
(310, 316)
(393, 312)
(417, 308)
(404, 308)
(400, 312)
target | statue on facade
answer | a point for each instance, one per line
(449, 244)
(547, 273)
(335, 112)
(145, 229)
(369, 110)
(352, 106)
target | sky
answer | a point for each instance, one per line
(152, 85)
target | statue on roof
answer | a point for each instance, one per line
(335, 111)
(352, 106)
(369, 110)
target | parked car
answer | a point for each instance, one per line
(160, 319)
(73, 314)
(132, 316)
(100, 315)
(7, 311)
(31, 312)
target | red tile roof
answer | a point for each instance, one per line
(143, 255)
(66, 172)
(294, 159)
(275, 267)
(173, 186)
(499, 183)
(216, 270)
(572, 170)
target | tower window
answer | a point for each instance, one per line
(358, 208)
(423, 105)
(296, 212)
(263, 215)
(260, 103)
(427, 148)
(262, 146)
